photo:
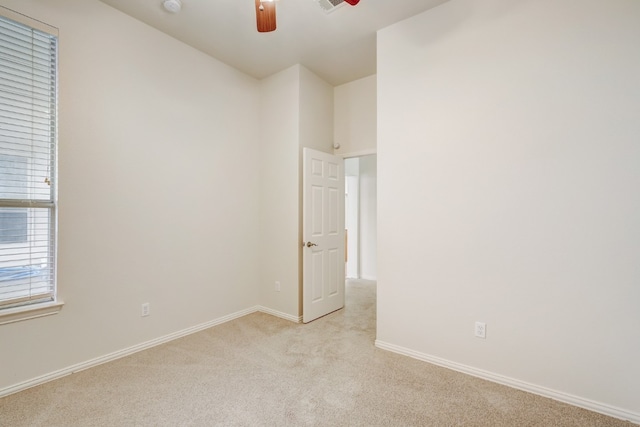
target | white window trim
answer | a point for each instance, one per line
(25, 312)
(39, 309)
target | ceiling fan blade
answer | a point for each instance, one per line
(266, 16)
(352, 2)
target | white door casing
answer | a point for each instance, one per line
(323, 234)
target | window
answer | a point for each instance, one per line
(15, 222)
(28, 92)
(13, 173)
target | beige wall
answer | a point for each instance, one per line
(179, 186)
(316, 132)
(507, 182)
(279, 212)
(355, 117)
(316, 112)
(297, 111)
(508, 193)
(158, 179)
(368, 217)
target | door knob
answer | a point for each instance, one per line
(309, 244)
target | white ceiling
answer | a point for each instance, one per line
(338, 46)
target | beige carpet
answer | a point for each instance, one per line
(264, 371)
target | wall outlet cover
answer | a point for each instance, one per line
(481, 330)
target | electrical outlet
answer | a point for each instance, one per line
(146, 309)
(277, 286)
(481, 330)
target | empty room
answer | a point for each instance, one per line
(172, 212)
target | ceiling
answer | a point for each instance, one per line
(339, 46)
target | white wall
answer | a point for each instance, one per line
(368, 217)
(297, 111)
(179, 186)
(355, 117)
(158, 177)
(508, 192)
(316, 112)
(316, 132)
(355, 130)
(279, 212)
(352, 221)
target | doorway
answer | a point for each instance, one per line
(361, 217)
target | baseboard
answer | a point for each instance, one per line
(122, 353)
(590, 405)
(276, 313)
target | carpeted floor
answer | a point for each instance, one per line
(264, 371)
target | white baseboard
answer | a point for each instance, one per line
(591, 405)
(295, 319)
(122, 353)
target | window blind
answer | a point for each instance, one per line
(28, 91)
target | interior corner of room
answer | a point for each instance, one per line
(492, 177)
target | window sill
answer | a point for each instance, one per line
(18, 314)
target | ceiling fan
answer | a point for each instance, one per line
(266, 13)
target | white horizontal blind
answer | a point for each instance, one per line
(28, 68)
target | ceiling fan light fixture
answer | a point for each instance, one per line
(173, 6)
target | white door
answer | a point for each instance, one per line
(323, 234)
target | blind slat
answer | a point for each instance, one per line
(28, 68)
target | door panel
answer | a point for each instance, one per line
(316, 211)
(323, 234)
